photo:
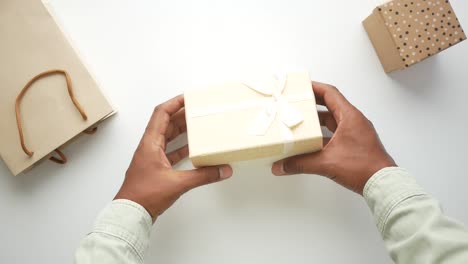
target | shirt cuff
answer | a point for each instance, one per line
(388, 188)
(127, 221)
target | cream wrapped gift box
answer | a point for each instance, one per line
(244, 121)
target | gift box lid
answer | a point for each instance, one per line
(421, 28)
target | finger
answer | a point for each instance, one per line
(327, 120)
(177, 125)
(332, 99)
(160, 120)
(173, 105)
(319, 100)
(177, 155)
(318, 97)
(326, 140)
(206, 175)
(307, 163)
(163, 112)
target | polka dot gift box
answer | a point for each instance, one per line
(405, 32)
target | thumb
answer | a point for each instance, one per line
(307, 163)
(206, 175)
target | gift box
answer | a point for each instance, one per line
(405, 32)
(237, 121)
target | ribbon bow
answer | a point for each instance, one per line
(279, 105)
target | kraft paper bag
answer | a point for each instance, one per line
(31, 43)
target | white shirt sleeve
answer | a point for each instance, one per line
(120, 234)
(411, 222)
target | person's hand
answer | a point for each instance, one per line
(150, 180)
(351, 156)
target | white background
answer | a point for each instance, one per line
(144, 52)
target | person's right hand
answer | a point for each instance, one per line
(351, 156)
(151, 180)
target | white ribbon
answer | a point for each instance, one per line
(278, 105)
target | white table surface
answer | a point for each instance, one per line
(146, 51)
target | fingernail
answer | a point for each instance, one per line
(278, 168)
(225, 172)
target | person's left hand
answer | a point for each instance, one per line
(150, 180)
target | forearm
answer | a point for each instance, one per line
(411, 222)
(120, 235)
